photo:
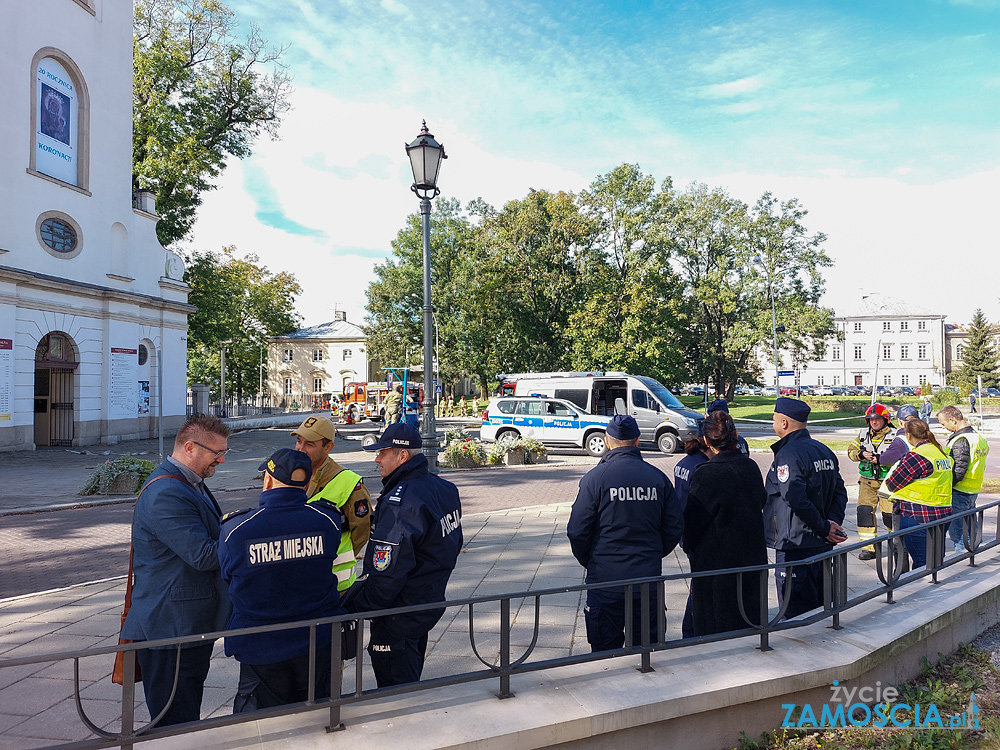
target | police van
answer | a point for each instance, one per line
(663, 420)
(551, 421)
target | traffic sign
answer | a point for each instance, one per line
(786, 373)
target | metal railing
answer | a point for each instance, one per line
(891, 569)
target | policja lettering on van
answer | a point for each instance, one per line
(623, 494)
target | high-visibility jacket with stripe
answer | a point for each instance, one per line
(979, 449)
(337, 491)
(934, 490)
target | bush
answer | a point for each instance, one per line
(945, 397)
(456, 435)
(125, 469)
(467, 449)
(497, 451)
(534, 446)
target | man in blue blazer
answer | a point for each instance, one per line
(178, 588)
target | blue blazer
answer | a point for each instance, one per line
(177, 588)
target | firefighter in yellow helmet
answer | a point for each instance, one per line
(866, 449)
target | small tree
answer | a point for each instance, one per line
(980, 356)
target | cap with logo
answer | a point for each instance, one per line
(285, 462)
(315, 428)
(397, 435)
(720, 404)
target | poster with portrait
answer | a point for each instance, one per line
(144, 397)
(56, 122)
(54, 117)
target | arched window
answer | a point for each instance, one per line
(60, 119)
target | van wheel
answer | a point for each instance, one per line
(595, 444)
(668, 442)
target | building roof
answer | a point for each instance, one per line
(878, 305)
(335, 329)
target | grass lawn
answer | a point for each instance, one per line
(762, 407)
(834, 445)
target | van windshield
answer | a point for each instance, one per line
(664, 396)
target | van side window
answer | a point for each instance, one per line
(530, 408)
(578, 396)
(640, 399)
(506, 407)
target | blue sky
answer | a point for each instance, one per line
(879, 116)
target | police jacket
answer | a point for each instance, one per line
(278, 562)
(415, 542)
(683, 472)
(804, 493)
(625, 519)
(175, 538)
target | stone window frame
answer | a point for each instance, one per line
(62, 217)
(287, 355)
(83, 120)
(87, 5)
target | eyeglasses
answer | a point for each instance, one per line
(218, 454)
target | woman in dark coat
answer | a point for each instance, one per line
(724, 528)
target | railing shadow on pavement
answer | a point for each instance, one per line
(891, 569)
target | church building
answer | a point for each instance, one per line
(93, 310)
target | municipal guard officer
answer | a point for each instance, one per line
(415, 542)
(867, 449)
(625, 519)
(806, 503)
(342, 487)
(278, 562)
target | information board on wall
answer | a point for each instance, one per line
(124, 376)
(6, 377)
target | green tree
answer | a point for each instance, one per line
(199, 96)
(236, 299)
(396, 297)
(980, 355)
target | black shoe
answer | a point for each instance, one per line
(866, 554)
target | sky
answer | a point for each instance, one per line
(880, 117)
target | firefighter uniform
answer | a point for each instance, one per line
(872, 474)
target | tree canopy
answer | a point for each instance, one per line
(199, 94)
(979, 357)
(625, 276)
(237, 299)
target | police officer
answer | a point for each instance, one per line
(278, 562)
(625, 519)
(806, 503)
(873, 440)
(968, 450)
(415, 542)
(342, 487)
(720, 404)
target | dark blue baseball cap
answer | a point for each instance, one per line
(720, 404)
(284, 462)
(792, 408)
(623, 427)
(397, 435)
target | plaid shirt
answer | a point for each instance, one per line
(912, 467)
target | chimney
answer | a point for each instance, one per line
(339, 315)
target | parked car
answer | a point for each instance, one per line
(991, 392)
(768, 391)
(905, 390)
(788, 390)
(551, 421)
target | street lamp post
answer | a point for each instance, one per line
(774, 324)
(426, 156)
(222, 377)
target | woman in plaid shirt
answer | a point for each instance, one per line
(920, 487)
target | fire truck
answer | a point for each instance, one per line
(366, 400)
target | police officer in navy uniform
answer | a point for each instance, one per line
(625, 519)
(806, 503)
(415, 541)
(278, 562)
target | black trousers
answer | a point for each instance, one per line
(281, 682)
(396, 659)
(158, 680)
(605, 618)
(807, 581)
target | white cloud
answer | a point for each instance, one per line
(742, 87)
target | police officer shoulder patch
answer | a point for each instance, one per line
(361, 508)
(783, 473)
(382, 557)
(397, 494)
(234, 513)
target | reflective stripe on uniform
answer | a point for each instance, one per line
(972, 482)
(337, 491)
(934, 490)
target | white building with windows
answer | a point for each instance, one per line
(884, 341)
(308, 365)
(90, 303)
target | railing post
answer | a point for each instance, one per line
(764, 622)
(505, 649)
(629, 633)
(336, 675)
(128, 700)
(931, 551)
(839, 587)
(644, 638)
